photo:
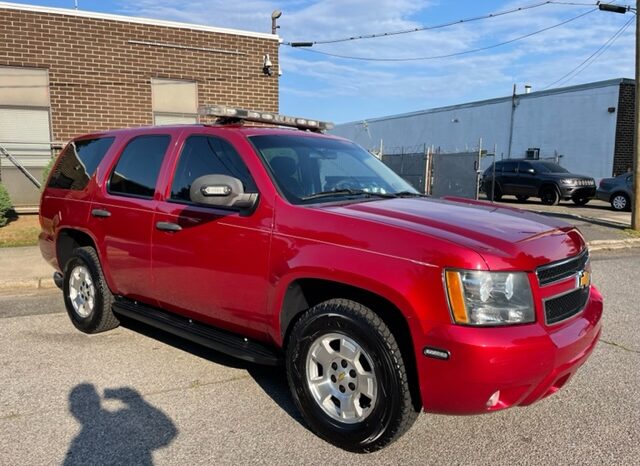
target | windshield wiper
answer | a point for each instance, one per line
(347, 192)
(409, 194)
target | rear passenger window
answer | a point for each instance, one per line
(78, 163)
(509, 167)
(137, 169)
(208, 155)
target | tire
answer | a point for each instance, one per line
(324, 339)
(86, 295)
(620, 202)
(522, 198)
(549, 195)
(496, 195)
(580, 200)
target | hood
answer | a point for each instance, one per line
(503, 236)
(560, 176)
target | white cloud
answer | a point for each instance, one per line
(312, 79)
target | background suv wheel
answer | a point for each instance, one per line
(549, 195)
(620, 201)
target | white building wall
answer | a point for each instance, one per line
(574, 122)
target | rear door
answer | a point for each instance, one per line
(122, 213)
(211, 263)
(508, 177)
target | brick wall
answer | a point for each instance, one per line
(98, 80)
(623, 152)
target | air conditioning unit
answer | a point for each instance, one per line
(533, 153)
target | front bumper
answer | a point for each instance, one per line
(525, 363)
(568, 192)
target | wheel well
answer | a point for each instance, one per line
(548, 185)
(68, 240)
(616, 193)
(306, 293)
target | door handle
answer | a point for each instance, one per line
(102, 213)
(168, 226)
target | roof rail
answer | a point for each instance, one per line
(231, 115)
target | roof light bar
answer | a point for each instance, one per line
(224, 112)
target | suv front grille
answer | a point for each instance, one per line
(564, 306)
(563, 269)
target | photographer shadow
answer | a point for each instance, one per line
(125, 436)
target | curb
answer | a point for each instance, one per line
(40, 283)
(610, 244)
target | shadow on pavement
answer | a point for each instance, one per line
(128, 435)
(272, 380)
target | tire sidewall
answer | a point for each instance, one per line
(348, 436)
(90, 323)
(626, 199)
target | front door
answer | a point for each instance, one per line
(210, 263)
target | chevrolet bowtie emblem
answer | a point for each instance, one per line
(584, 279)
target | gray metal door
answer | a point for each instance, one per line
(411, 167)
(455, 175)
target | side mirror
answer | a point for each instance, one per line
(221, 191)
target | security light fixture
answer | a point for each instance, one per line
(274, 19)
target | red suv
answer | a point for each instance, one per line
(287, 245)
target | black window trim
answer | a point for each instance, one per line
(115, 164)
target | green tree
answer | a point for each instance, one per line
(6, 208)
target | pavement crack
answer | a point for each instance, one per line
(618, 345)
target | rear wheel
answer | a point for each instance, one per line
(86, 295)
(521, 198)
(494, 193)
(620, 201)
(580, 200)
(348, 377)
(549, 195)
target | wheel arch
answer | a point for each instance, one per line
(304, 293)
(69, 239)
(548, 184)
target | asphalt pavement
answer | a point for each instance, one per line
(136, 396)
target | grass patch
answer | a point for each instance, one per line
(632, 233)
(22, 231)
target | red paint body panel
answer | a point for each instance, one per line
(233, 271)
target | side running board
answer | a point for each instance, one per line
(202, 334)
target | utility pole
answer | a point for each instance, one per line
(635, 215)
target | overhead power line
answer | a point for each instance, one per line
(437, 26)
(454, 54)
(593, 57)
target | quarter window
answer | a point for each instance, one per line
(78, 163)
(137, 170)
(208, 155)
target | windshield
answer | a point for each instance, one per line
(312, 169)
(548, 167)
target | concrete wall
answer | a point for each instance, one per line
(573, 121)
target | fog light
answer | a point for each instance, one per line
(493, 399)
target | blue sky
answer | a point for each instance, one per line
(341, 90)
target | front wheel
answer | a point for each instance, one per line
(620, 202)
(348, 377)
(549, 195)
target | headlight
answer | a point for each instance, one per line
(568, 181)
(489, 298)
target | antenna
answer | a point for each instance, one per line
(75, 4)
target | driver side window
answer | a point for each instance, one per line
(208, 155)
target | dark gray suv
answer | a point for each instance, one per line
(537, 178)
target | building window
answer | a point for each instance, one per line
(174, 101)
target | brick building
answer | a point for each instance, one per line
(68, 72)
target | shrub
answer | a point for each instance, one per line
(6, 208)
(46, 171)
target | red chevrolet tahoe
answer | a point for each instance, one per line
(287, 245)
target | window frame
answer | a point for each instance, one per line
(119, 157)
(174, 169)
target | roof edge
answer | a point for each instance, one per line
(134, 19)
